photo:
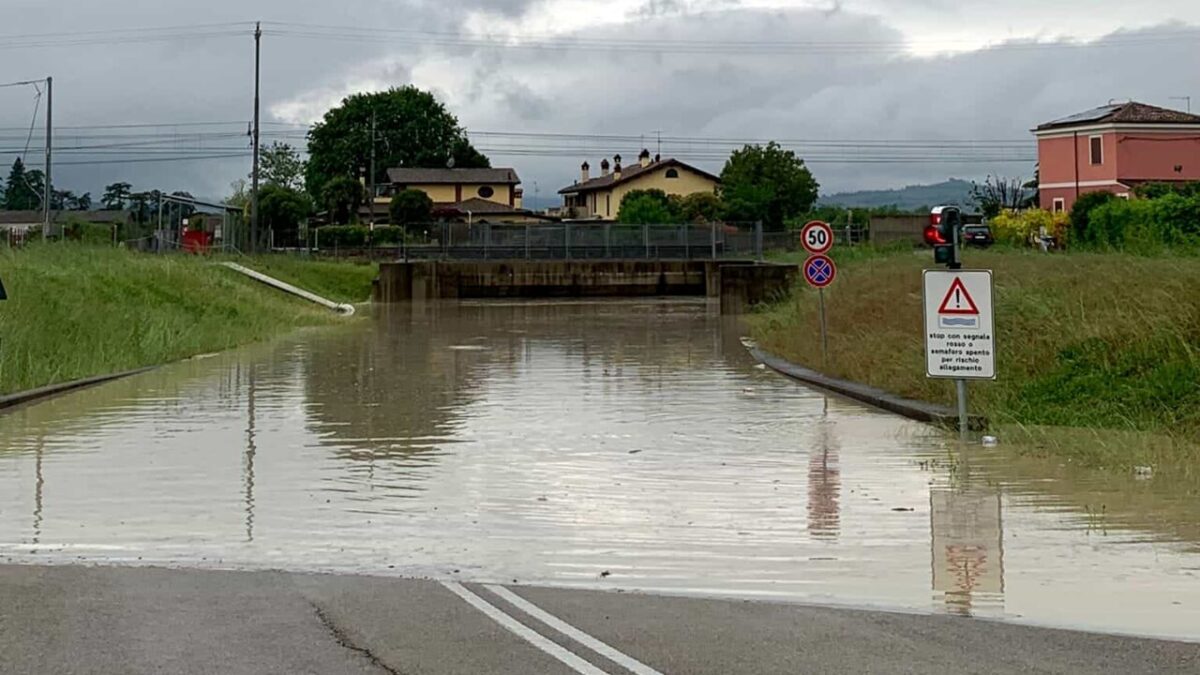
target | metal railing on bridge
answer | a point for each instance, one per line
(581, 241)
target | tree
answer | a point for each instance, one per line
(410, 207)
(282, 210)
(25, 188)
(998, 194)
(83, 202)
(115, 195)
(1081, 214)
(702, 207)
(647, 207)
(281, 165)
(413, 129)
(342, 195)
(768, 184)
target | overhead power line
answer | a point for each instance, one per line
(408, 37)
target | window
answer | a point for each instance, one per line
(1097, 149)
(486, 192)
(672, 173)
(1060, 205)
(608, 204)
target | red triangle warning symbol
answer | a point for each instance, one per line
(958, 300)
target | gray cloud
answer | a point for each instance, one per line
(870, 93)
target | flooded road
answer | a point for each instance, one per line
(609, 445)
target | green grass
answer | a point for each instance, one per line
(75, 311)
(339, 281)
(1086, 340)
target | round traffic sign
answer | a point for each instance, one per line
(817, 237)
(819, 271)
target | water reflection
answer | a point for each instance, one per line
(968, 548)
(628, 445)
(824, 485)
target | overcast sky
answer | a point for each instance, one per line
(830, 76)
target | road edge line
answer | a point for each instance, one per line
(531, 636)
(607, 651)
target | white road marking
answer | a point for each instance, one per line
(572, 632)
(528, 634)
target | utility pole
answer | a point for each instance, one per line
(1186, 99)
(49, 187)
(371, 181)
(254, 132)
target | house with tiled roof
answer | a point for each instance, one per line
(600, 198)
(471, 195)
(1114, 148)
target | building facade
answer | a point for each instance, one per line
(600, 198)
(1115, 148)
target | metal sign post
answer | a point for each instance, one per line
(819, 271)
(960, 341)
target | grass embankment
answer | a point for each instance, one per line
(77, 311)
(340, 281)
(1086, 341)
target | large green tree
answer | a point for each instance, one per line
(116, 195)
(281, 165)
(410, 207)
(767, 183)
(24, 188)
(412, 129)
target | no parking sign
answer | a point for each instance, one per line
(819, 271)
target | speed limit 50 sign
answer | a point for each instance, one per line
(816, 237)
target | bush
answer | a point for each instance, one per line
(1146, 225)
(1019, 228)
(648, 207)
(702, 207)
(384, 235)
(1156, 190)
(87, 232)
(345, 236)
(1081, 212)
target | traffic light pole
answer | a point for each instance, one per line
(960, 385)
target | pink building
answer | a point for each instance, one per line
(1114, 148)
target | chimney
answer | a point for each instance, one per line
(644, 158)
(616, 167)
(604, 167)
(585, 172)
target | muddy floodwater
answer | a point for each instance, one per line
(625, 445)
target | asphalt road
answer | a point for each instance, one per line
(143, 620)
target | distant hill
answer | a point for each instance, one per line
(953, 191)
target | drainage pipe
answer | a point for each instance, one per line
(340, 308)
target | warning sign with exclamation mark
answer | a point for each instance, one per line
(959, 340)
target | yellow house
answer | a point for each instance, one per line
(455, 186)
(466, 195)
(600, 198)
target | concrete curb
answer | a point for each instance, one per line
(32, 395)
(917, 410)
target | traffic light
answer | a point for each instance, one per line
(944, 234)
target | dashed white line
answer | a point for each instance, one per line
(529, 635)
(572, 632)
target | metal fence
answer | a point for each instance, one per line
(569, 241)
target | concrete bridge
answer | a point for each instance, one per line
(737, 284)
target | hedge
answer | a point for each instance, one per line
(1145, 225)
